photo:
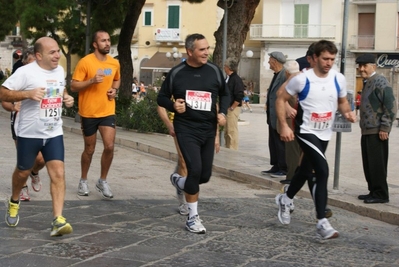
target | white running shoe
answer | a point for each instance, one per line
(104, 189)
(174, 179)
(36, 183)
(24, 195)
(183, 209)
(325, 230)
(284, 213)
(194, 225)
(291, 205)
(83, 188)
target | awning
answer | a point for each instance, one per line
(160, 62)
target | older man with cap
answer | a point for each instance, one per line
(377, 114)
(276, 146)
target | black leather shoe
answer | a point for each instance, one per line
(272, 170)
(363, 197)
(373, 200)
(285, 181)
(328, 213)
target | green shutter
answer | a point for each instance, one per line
(301, 21)
(173, 17)
(147, 18)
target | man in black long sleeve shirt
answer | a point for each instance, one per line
(195, 85)
(236, 89)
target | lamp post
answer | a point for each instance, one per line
(174, 55)
(88, 17)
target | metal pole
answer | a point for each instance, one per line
(224, 54)
(88, 17)
(342, 69)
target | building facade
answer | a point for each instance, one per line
(290, 26)
(158, 42)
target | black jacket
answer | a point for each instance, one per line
(236, 88)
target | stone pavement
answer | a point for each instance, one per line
(141, 227)
(252, 157)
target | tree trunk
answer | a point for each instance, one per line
(239, 18)
(124, 51)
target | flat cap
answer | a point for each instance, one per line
(278, 56)
(365, 58)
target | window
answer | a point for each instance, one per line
(366, 31)
(147, 18)
(173, 17)
(301, 21)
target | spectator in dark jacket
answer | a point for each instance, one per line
(236, 88)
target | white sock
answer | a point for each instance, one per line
(181, 182)
(286, 199)
(102, 180)
(321, 221)
(192, 208)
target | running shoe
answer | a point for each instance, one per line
(12, 217)
(60, 227)
(83, 188)
(183, 209)
(104, 189)
(24, 196)
(36, 183)
(194, 225)
(325, 230)
(174, 179)
(284, 212)
(291, 205)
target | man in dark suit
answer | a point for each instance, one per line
(276, 146)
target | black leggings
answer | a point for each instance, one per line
(198, 154)
(313, 159)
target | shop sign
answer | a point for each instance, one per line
(388, 61)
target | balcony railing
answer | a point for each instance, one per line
(292, 31)
(362, 42)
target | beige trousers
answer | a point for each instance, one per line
(231, 128)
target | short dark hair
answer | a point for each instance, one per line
(310, 51)
(15, 55)
(190, 39)
(324, 45)
(94, 36)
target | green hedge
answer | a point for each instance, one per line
(142, 115)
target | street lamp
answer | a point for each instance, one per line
(174, 55)
(88, 17)
(248, 54)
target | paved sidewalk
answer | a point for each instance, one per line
(253, 156)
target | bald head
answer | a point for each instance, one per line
(47, 53)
